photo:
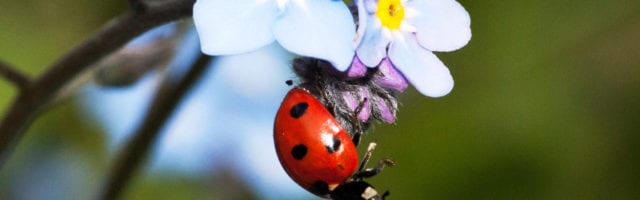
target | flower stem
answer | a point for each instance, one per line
(135, 152)
(13, 75)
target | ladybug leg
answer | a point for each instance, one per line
(370, 172)
(367, 156)
(356, 138)
(385, 194)
(364, 172)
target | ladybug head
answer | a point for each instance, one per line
(357, 190)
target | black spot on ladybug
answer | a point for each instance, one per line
(320, 188)
(336, 143)
(333, 147)
(298, 110)
(299, 151)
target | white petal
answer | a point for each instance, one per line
(231, 27)
(321, 29)
(421, 67)
(373, 46)
(442, 25)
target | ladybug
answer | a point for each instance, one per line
(317, 153)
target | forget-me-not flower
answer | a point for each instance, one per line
(321, 29)
(407, 32)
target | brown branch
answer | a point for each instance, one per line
(137, 5)
(135, 152)
(109, 38)
(16, 77)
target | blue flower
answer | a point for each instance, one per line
(321, 29)
(407, 32)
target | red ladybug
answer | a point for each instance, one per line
(317, 152)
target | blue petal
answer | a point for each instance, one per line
(421, 67)
(374, 44)
(321, 29)
(442, 25)
(232, 27)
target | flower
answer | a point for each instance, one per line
(320, 29)
(407, 32)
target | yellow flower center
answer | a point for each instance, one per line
(390, 13)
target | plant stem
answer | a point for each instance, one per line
(34, 98)
(167, 98)
(14, 76)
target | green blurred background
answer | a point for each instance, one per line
(546, 106)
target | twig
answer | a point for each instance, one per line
(11, 74)
(138, 5)
(135, 152)
(109, 38)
